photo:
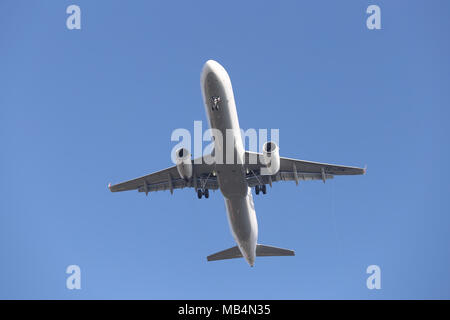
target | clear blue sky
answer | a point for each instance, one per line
(82, 108)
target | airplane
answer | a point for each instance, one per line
(236, 179)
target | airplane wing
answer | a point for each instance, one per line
(295, 170)
(169, 179)
(204, 177)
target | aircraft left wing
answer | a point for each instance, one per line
(169, 179)
(295, 170)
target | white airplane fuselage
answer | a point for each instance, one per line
(233, 170)
(231, 177)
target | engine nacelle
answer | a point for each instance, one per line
(184, 163)
(271, 158)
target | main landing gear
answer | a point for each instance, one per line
(201, 193)
(261, 188)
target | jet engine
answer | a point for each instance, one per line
(184, 163)
(271, 158)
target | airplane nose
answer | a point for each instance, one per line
(210, 66)
(211, 63)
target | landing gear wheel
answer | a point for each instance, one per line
(257, 189)
(206, 193)
(263, 189)
(199, 193)
(215, 102)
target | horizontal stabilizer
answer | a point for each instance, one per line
(268, 251)
(261, 251)
(231, 253)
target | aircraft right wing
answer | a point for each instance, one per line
(169, 179)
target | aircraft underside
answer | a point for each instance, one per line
(236, 178)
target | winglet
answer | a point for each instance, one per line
(365, 169)
(109, 186)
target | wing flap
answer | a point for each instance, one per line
(316, 167)
(257, 179)
(211, 184)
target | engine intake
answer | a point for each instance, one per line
(271, 158)
(184, 163)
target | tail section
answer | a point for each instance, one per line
(231, 253)
(261, 251)
(269, 251)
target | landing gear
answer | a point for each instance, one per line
(259, 188)
(215, 103)
(201, 193)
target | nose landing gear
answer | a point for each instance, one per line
(215, 103)
(261, 188)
